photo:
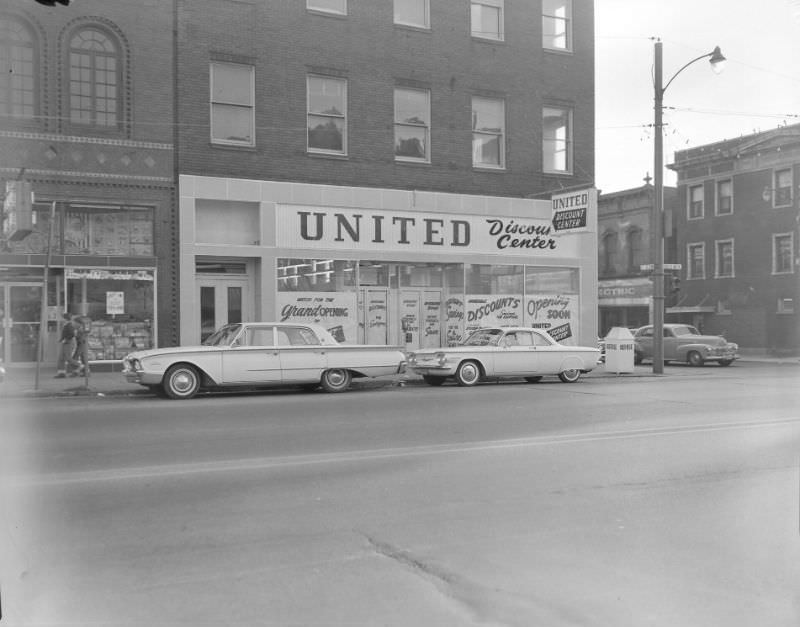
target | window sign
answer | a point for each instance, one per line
(336, 311)
(555, 313)
(489, 310)
(115, 303)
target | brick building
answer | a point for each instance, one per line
(737, 229)
(625, 289)
(367, 164)
(86, 112)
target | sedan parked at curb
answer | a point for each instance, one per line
(683, 342)
(489, 353)
(260, 354)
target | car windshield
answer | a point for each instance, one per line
(685, 329)
(223, 336)
(483, 337)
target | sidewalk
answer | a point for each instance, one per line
(20, 381)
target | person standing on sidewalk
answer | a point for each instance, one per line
(81, 355)
(66, 350)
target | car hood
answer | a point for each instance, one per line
(174, 350)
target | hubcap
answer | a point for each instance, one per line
(336, 377)
(182, 381)
(469, 373)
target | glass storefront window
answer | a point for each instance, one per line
(315, 275)
(551, 280)
(489, 279)
(552, 301)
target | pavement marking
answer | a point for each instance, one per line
(265, 463)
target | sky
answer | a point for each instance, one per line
(758, 90)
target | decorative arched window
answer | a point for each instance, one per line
(634, 249)
(18, 95)
(610, 246)
(94, 79)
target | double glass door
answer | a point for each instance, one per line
(20, 313)
(221, 301)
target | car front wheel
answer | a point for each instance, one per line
(181, 382)
(336, 380)
(695, 359)
(468, 373)
(569, 376)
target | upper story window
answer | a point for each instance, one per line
(339, 7)
(724, 197)
(557, 139)
(724, 259)
(327, 115)
(487, 19)
(412, 13)
(635, 249)
(94, 79)
(782, 252)
(488, 132)
(609, 251)
(557, 24)
(232, 104)
(17, 70)
(412, 132)
(782, 183)
(696, 210)
(696, 261)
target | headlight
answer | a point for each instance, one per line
(412, 359)
(441, 358)
(135, 365)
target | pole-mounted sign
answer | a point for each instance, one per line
(571, 209)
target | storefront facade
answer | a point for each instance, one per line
(380, 266)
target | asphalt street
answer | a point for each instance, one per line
(614, 501)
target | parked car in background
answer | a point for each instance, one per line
(503, 352)
(260, 354)
(683, 342)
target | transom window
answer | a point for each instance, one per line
(328, 6)
(696, 261)
(782, 253)
(557, 139)
(232, 104)
(724, 197)
(94, 67)
(696, 209)
(724, 259)
(557, 24)
(487, 19)
(412, 124)
(488, 132)
(412, 13)
(327, 115)
(17, 69)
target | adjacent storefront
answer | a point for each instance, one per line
(383, 266)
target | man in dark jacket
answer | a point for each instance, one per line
(67, 347)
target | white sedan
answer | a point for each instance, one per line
(504, 352)
(260, 354)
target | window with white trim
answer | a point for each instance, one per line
(488, 132)
(412, 13)
(724, 197)
(782, 253)
(696, 209)
(412, 114)
(487, 19)
(18, 69)
(94, 78)
(696, 261)
(557, 139)
(782, 182)
(723, 259)
(327, 115)
(557, 24)
(339, 7)
(232, 104)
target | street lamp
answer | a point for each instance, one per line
(717, 62)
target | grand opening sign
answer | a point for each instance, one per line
(380, 230)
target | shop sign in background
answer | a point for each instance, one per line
(395, 231)
(336, 311)
(493, 311)
(555, 313)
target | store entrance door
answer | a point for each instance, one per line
(420, 318)
(374, 323)
(20, 310)
(221, 301)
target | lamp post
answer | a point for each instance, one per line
(717, 61)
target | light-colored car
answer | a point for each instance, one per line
(503, 352)
(683, 342)
(261, 354)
